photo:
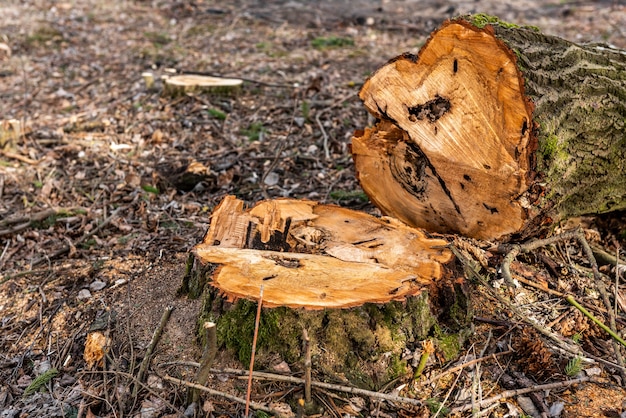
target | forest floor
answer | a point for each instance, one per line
(98, 209)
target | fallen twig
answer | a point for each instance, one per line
(24, 273)
(605, 299)
(324, 135)
(131, 378)
(321, 126)
(23, 222)
(445, 399)
(588, 314)
(256, 333)
(517, 249)
(82, 239)
(339, 388)
(464, 365)
(561, 343)
(153, 342)
(20, 157)
(540, 287)
(517, 392)
(233, 398)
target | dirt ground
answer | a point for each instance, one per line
(99, 207)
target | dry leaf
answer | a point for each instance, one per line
(96, 346)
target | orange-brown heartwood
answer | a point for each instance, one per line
(494, 130)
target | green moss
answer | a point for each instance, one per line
(45, 35)
(450, 346)
(397, 367)
(199, 30)
(235, 329)
(349, 195)
(434, 405)
(331, 42)
(216, 113)
(364, 345)
(158, 38)
(254, 131)
(548, 147)
(481, 20)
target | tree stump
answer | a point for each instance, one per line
(367, 290)
(181, 84)
(494, 131)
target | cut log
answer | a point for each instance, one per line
(495, 131)
(366, 289)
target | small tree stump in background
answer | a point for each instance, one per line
(367, 290)
(179, 85)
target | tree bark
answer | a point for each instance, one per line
(495, 131)
(367, 290)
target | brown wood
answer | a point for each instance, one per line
(494, 130)
(324, 256)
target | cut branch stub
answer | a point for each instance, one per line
(314, 256)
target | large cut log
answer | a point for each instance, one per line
(495, 131)
(366, 289)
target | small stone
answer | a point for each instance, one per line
(67, 380)
(155, 382)
(84, 294)
(190, 411)
(97, 285)
(528, 406)
(593, 371)
(40, 367)
(556, 409)
(151, 407)
(299, 121)
(281, 367)
(271, 179)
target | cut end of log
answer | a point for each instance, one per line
(314, 256)
(452, 149)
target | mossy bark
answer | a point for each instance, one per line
(366, 346)
(579, 97)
